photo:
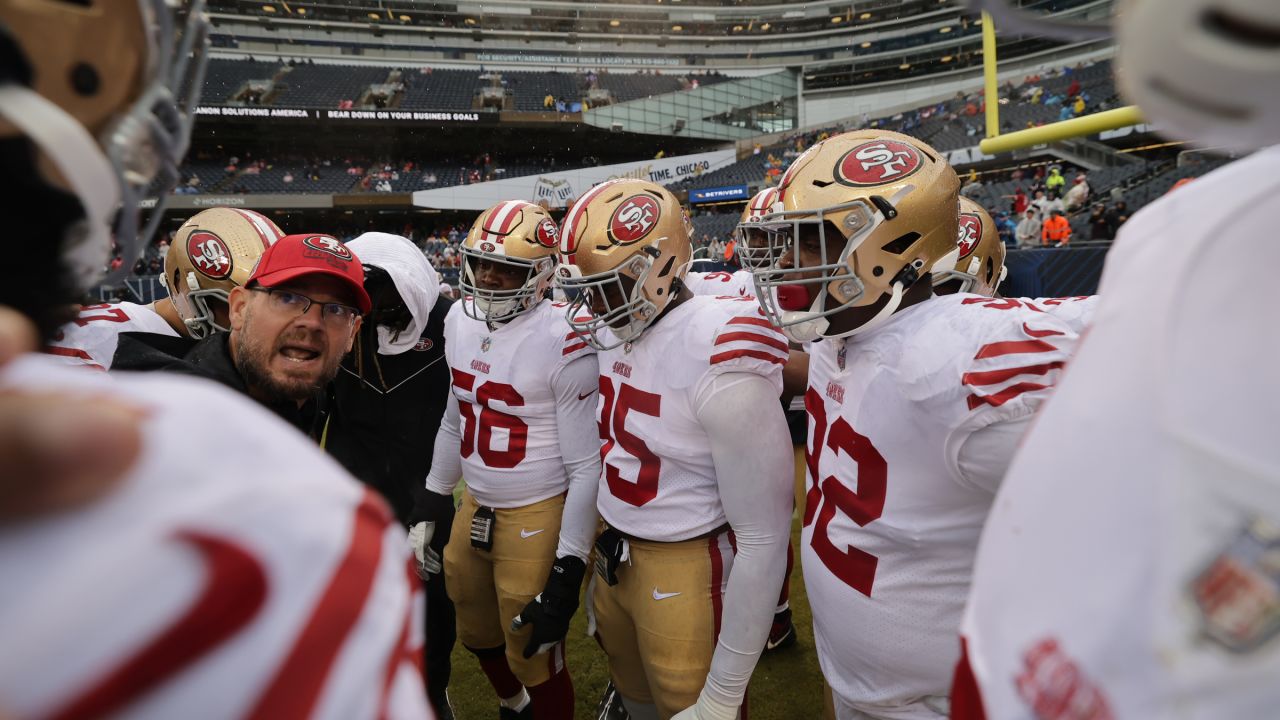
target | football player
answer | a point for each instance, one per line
(1129, 566)
(213, 252)
(976, 266)
(916, 404)
(521, 427)
(696, 511)
(748, 238)
(238, 569)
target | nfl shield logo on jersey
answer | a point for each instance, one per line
(1238, 595)
(485, 344)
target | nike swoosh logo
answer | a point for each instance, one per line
(526, 534)
(663, 596)
(586, 394)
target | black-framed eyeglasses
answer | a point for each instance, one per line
(287, 301)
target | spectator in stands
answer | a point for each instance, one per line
(973, 186)
(1019, 204)
(1040, 204)
(1056, 231)
(1118, 215)
(1078, 195)
(1028, 232)
(1055, 182)
(1078, 107)
(1099, 225)
(288, 177)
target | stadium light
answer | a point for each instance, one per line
(677, 28)
(866, 44)
(375, 16)
(302, 11)
(946, 29)
(614, 23)
(269, 8)
(405, 18)
(765, 26)
(836, 18)
(865, 16)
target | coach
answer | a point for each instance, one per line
(291, 324)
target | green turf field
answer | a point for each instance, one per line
(787, 684)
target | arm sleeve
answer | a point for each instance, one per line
(985, 455)
(446, 458)
(754, 472)
(576, 386)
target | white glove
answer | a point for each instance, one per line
(428, 560)
(707, 709)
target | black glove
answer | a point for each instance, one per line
(430, 523)
(550, 612)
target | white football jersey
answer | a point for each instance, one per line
(1130, 566)
(891, 523)
(659, 479)
(238, 572)
(91, 339)
(1076, 311)
(722, 282)
(511, 454)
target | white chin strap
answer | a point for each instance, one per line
(815, 328)
(891, 307)
(84, 167)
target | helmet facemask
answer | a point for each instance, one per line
(803, 306)
(496, 306)
(629, 309)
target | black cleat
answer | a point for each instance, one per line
(610, 707)
(506, 713)
(782, 634)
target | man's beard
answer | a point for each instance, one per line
(253, 360)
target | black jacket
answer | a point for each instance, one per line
(383, 425)
(208, 358)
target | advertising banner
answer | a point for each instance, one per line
(559, 189)
(719, 194)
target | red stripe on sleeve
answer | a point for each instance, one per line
(993, 377)
(1013, 347)
(573, 348)
(1039, 333)
(757, 354)
(234, 590)
(297, 686)
(76, 353)
(761, 322)
(1004, 396)
(753, 337)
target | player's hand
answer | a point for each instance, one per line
(430, 523)
(426, 557)
(58, 450)
(707, 709)
(549, 613)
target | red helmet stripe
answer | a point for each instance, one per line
(266, 232)
(502, 219)
(568, 243)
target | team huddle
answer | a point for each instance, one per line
(604, 435)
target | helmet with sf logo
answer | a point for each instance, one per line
(514, 234)
(882, 207)
(214, 251)
(627, 242)
(976, 264)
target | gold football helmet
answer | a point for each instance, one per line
(976, 264)
(888, 204)
(624, 243)
(516, 234)
(106, 91)
(752, 246)
(214, 251)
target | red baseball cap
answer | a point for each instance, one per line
(294, 256)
